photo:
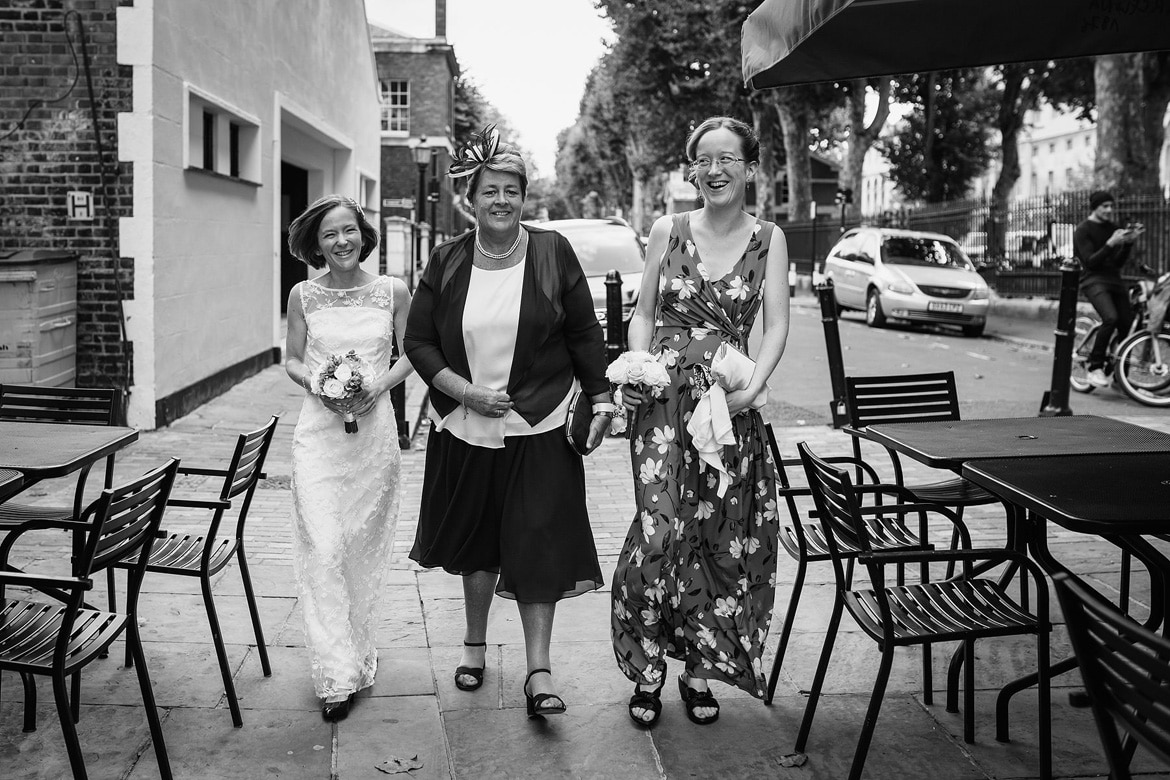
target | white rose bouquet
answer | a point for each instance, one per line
(341, 377)
(640, 369)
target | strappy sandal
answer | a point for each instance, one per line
(646, 700)
(538, 703)
(470, 671)
(698, 700)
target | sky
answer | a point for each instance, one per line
(530, 58)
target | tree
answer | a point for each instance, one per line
(943, 144)
(1132, 92)
(802, 109)
(862, 135)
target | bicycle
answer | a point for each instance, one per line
(1140, 362)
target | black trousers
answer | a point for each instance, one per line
(1112, 303)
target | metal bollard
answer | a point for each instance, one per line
(615, 337)
(828, 303)
(1055, 401)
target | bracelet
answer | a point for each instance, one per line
(609, 410)
(305, 383)
(463, 400)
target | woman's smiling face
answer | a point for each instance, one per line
(498, 202)
(340, 239)
(721, 183)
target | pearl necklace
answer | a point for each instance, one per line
(501, 256)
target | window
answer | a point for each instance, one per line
(208, 141)
(1068, 145)
(395, 96)
(221, 139)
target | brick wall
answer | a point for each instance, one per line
(53, 150)
(431, 90)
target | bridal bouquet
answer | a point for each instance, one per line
(640, 369)
(341, 377)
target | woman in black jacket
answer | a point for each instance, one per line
(503, 330)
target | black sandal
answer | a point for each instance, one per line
(646, 700)
(698, 700)
(538, 703)
(470, 671)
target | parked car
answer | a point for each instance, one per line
(909, 276)
(604, 245)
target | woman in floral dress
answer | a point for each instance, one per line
(697, 574)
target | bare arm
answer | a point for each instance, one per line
(776, 314)
(642, 321)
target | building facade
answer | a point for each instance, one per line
(219, 121)
(416, 86)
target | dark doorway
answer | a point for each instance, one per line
(294, 198)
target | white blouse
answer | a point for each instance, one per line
(491, 318)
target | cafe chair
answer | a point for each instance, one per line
(804, 541)
(872, 400)
(964, 608)
(58, 638)
(75, 406)
(203, 555)
(1126, 669)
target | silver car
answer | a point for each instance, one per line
(604, 245)
(908, 276)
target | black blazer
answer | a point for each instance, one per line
(558, 335)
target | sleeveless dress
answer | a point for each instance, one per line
(696, 578)
(345, 491)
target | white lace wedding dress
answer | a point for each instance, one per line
(345, 491)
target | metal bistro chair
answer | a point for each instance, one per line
(805, 542)
(1126, 669)
(80, 406)
(960, 609)
(202, 556)
(57, 639)
(872, 400)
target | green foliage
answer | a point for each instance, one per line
(940, 147)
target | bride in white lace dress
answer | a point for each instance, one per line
(345, 485)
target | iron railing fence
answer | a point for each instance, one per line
(1019, 249)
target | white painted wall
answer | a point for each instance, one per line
(205, 248)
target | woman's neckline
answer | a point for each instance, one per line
(690, 236)
(315, 283)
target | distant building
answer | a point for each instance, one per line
(416, 85)
(219, 121)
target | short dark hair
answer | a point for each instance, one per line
(749, 139)
(302, 233)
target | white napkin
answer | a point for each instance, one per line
(734, 370)
(710, 429)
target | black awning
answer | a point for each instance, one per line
(787, 42)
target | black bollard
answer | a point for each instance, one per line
(398, 401)
(828, 302)
(1055, 401)
(615, 334)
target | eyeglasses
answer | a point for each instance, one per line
(724, 160)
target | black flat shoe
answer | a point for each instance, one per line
(470, 671)
(646, 700)
(538, 704)
(698, 700)
(334, 711)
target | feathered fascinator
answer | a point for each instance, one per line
(473, 154)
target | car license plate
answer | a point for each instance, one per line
(949, 308)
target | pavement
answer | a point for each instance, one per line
(414, 713)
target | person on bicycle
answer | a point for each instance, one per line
(1103, 248)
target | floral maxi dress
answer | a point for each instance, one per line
(696, 578)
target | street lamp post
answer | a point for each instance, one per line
(422, 157)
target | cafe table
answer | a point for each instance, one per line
(42, 451)
(950, 444)
(1120, 497)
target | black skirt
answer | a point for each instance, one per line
(519, 511)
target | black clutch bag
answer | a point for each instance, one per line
(578, 420)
